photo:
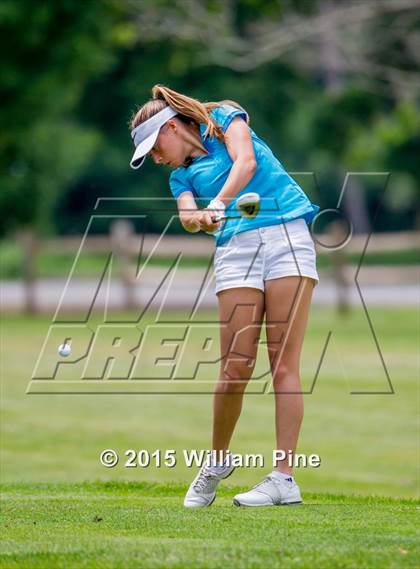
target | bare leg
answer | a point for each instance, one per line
(287, 302)
(241, 311)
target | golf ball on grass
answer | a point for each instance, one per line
(64, 350)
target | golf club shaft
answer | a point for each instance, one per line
(224, 217)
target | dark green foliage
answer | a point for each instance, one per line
(71, 78)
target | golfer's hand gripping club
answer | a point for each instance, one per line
(248, 206)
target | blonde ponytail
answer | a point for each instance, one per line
(187, 107)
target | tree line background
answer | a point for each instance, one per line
(331, 86)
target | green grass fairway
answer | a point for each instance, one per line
(61, 508)
(367, 443)
(144, 526)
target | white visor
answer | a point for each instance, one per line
(145, 135)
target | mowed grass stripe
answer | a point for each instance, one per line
(145, 525)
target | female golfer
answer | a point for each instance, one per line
(265, 266)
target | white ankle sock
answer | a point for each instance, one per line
(281, 476)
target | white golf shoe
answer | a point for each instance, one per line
(202, 491)
(270, 492)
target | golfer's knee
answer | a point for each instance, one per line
(237, 369)
(234, 377)
(284, 371)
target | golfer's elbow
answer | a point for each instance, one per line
(248, 165)
(252, 165)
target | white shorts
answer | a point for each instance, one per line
(252, 257)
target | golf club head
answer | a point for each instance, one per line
(249, 205)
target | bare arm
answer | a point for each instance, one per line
(192, 218)
(241, 150)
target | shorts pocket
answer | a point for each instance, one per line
(297, 233)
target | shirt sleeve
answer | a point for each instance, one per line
(178, 183)
(225, 114)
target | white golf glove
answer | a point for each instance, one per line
(218, 207)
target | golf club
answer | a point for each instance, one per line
(248, 206)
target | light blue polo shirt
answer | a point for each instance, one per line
(282, 199)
